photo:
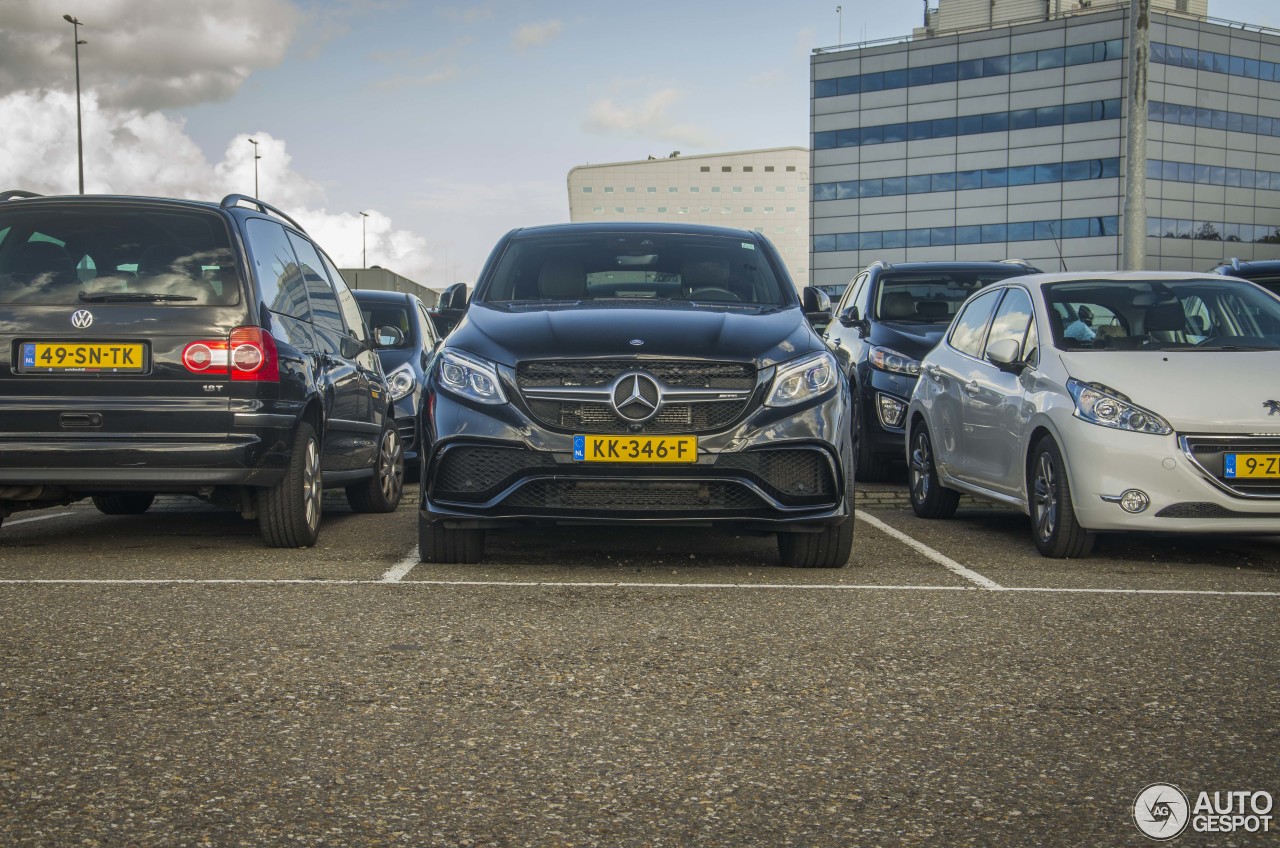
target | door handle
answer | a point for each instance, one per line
(933, 372)
(971, 388)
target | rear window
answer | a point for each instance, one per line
(65, 257)
(931, 297)
(378, 315)
(604, 267)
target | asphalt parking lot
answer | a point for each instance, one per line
(166, 680)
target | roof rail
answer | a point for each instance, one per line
(10, 195)
(236, 199)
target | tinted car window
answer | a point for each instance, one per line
(634, 266)
(68, 257)
(283, 288)
(932, 296)
(396, 315)
(324, 303)
(356, 325)
(1012, 318)
(966, 335)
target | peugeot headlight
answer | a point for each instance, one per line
(401, 381)
(469, 377)
(802, 379)
(888, 359)
(1101, 405)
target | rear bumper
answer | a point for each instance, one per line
(175, 465)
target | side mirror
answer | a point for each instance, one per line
(851, 318)
(388, 336)
(814, 300)
(454, 297)
(1003, 354)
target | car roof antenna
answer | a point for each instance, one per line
(1058, 245)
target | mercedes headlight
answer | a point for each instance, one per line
(803, 379)
(1104, 406)
(469, 377)
(888, 359)
(401, 381)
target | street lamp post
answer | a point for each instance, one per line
(364, 239)
(256, 157)
(75, 28)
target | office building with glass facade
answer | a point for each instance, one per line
(1009, 142)
(764, 190)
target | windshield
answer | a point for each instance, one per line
(931, 297)
(635, 267)
(1163, 315)
(66, 257)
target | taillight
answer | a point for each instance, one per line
(253, 355)
(249, 354)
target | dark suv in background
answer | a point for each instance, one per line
(152, 346)
(642, 374)
(888, 318)
(1264, 272)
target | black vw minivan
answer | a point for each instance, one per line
(152, 346)
(642, 374)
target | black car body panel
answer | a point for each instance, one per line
(864, 328)
(237, 341)
(563, 366)
(1262, 272)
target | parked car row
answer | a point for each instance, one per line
(1092, 402)
(153, 346)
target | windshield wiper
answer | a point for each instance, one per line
(136, 297)
(1232, 347)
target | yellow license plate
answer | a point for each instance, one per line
(635, 448)
(1237, 465)
(79, 356)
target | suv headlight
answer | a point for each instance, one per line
(1102, 405)
(401, 381)
(469, 377)
(888, 359)
(802, 379)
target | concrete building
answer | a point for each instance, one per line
(1009, 141)
(385, 280)
(764, 190)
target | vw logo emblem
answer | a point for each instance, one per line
(636, 397)
(81, 319)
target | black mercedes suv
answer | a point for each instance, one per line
(152, 346)
(636, 373)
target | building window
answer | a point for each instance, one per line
(694, 189)
(768, 210)
(784, 188)
(640, 209)
(672, 189)
(791, 210)
(737, 189)
(705, 168)
(586, 189)
(791, 167)
(608, 189)
(768, 169)
(706, 210)
(715, 189)
(726, 169)
(684, 210)
(652, 189)
(759, 188)
(631, 189)
(618, 209)
(724, 210)
(662, 209)
(746, 209)
(598, 210)
(748, 168)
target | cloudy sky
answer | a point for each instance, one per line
(449, 123)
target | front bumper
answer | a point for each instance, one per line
(1103, 464)
(884, 438)
(496, 467)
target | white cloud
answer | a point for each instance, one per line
(648, 119)
(145, 54)
(417, 80)
(148, 153)
(536, 35)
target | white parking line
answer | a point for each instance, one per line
(940, 558)
(397, 572)
(37, 518)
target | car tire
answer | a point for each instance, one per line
(289, 512)
(929, 498)
(1054, 527)
(831, 546)
(446, 545)
(124, 503)
(382, 491)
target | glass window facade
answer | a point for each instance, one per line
(1091, 227)
(1218, 119)
(1083, 169)
(1208, 60)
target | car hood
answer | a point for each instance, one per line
(1195, 391)
(915, 340)
(393, 357)
(584, 332)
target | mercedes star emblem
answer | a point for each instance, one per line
(636, 397)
